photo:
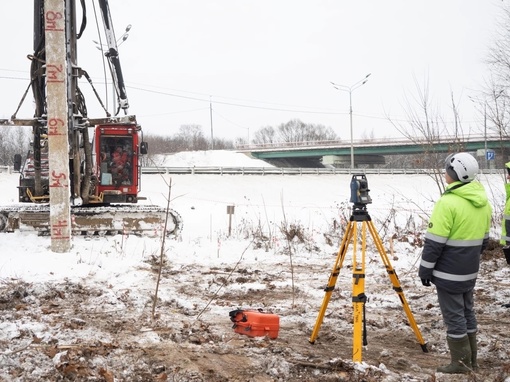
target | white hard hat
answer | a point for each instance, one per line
(464, 166)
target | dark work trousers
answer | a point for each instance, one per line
(458, 314)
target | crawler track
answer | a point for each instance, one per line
(145, 220)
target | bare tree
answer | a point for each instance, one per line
(368, 137)
(13, 140)
(223, 144)
(495, 101)
(189, 138)
(294, 131)
(426, 126)
(192, 138)
(265, 135)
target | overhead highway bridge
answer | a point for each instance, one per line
(372, 153)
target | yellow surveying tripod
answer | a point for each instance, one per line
(360, 198)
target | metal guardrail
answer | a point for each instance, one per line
(238, 170)
(288, 171)
(279, 171)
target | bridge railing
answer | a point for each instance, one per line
(366, 142)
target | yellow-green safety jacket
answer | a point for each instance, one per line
(457, 234)
(505, 224)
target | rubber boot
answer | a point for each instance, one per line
(460, 353)
(474, 350)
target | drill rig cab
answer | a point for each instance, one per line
(117, 150)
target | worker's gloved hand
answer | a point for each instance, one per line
(425, 282)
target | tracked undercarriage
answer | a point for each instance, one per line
(147, 220)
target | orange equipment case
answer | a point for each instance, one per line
(255, 323)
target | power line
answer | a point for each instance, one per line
(14, 78)
(200, 97)
(176, 112)
(237, 104)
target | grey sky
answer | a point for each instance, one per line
(265, 62)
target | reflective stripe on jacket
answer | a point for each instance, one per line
(458, 232)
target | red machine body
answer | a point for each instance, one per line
(117, 149)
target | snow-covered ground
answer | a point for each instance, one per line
(88, 313)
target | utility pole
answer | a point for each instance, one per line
(210, 115)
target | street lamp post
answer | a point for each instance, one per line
(350, 89)
(476, 100)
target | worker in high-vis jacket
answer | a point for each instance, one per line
(457, 234)
(505, 224)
